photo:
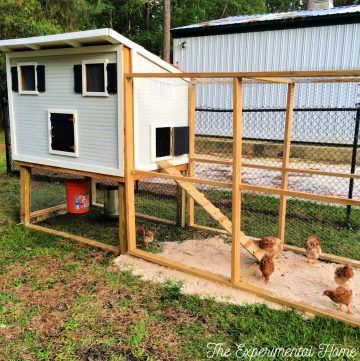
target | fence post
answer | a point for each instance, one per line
(286, 158)
(5, 111)
(353, 162)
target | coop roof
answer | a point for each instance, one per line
(274, 21)
(77, 39)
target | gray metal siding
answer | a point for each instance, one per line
(316, 48)
(97, 117)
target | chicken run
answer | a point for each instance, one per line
(235, 212)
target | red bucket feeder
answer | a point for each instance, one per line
(77, 195)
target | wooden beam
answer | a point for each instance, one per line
(93, 191)
(286, 159)
(73, 237)
(269, 74)
(258, 291)
(180, 167)
(122, 219)
(155, 219)
(72, 171)
(128, 88)
(25, 194)
(236, 180)
(73, 43)
(33, 46)
(325, 256)
(191, 122)
(278, 168)
(180, 206)
(180, 178)
(42, 214)
(303, 195)
(209, 229)
(274, 80)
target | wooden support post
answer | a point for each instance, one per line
(122, 219)
(25, 175)
(236, 180)
(93, 191)
(286, 158)
(129, 155)
(180, 206)
(191, 170)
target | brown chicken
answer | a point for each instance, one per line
(343, 274)
(267, 267)
(271, 245)
(313, 248)
(147, 236)
(340, 295)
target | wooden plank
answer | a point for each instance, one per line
(41, 215)
(236, 181)
(286, 159)
(73, 237)
(122, 219)
(191, 123)
(72, 171)
(209, 229)
(155, 219)
(268, 74)
(274, 80)
(302, 195)
(180, 206)
(278, 168)
(25, 194)
(243, 286)
(93, 191)
(128, 88)
(325, 256)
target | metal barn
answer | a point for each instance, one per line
(327, 39)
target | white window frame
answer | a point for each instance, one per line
(76, 140)
(85, 93)
(27, 92)
(153, 142)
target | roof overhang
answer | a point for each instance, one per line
(78, 39)
(276, 24)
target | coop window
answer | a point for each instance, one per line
(94, 79)
(63, 133)
(162, 142)
(27, 78)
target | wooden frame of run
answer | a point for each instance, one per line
(236, 280)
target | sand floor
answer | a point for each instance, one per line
(293, 278)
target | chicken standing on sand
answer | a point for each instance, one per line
(313, 248)
(341, 296)
(267, 267)
(147, 236)
(271, 245)
(343, 274)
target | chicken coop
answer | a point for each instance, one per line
(159, 190)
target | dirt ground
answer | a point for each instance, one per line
(293, 278)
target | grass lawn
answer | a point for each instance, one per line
(62, 301)
(2, 153)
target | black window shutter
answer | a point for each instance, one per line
(112, 78)
(181, 140)
(78, 78)
(40, 69)
(14, 79)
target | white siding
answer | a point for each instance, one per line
(156, 101)
(315, 48)
(97, 117)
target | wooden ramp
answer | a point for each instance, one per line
(213, 211)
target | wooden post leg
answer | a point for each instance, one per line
(25, 173)
(286, 159)
(122, 219)
(180, 206)
(236, 180)
(93, 191)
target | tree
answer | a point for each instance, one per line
(167, 30)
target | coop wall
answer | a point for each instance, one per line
(157, 103)
(99, 138)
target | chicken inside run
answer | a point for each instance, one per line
(266, 201)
